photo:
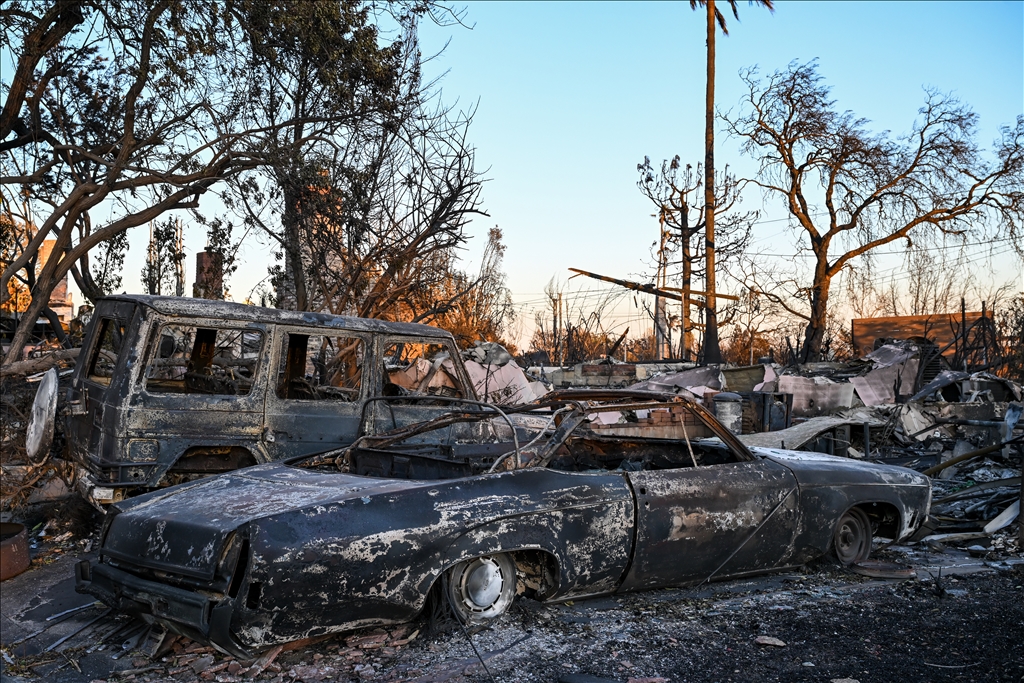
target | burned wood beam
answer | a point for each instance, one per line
(666, 292)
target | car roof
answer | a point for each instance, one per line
(228, 310)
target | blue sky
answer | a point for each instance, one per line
(572, 96)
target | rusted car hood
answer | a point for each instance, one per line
(818, 468)
(141, 530)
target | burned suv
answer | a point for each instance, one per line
(168, 389)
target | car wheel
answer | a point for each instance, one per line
(482, 588)
(852, 539)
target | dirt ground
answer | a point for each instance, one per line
(961, 619)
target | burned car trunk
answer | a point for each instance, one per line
(360, 535)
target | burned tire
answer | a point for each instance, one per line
(482, 588)
(851, 541)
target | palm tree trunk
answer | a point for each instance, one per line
(712, 352)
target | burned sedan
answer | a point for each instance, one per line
(363, 535)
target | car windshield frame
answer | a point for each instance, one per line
(575, 407)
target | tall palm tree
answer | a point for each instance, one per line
(712, 352)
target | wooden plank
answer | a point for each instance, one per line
(941, 328)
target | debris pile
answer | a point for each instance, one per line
(900, 404)
(497, 378)
(32, 444)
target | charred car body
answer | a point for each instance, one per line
(362, 535)
(175, 388)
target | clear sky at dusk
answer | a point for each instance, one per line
(572, 96)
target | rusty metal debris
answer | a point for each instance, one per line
(14, 557)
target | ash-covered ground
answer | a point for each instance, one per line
(821, 623)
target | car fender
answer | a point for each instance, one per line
(591, 544)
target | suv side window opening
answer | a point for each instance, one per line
(420, 368)
(316, 367)
(190, 359)
(108, 347)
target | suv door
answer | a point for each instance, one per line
(96, 397)
(411, 370)
(317, 390)
(200, 396)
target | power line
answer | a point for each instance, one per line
(899, 253)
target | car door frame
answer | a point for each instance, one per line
(327, 424)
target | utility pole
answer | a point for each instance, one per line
(685, 332)
(667, 292)
(750, 323)
(661, 341)
(153, 265)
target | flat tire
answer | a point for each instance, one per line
(851, 542)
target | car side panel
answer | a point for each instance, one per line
(829, 486)
(823, 505)
(373, 560)
(696, 523)
(591, 544)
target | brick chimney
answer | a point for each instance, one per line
(209, 282)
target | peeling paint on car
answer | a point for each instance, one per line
(289, 551)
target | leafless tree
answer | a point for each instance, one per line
(380, 221)
(677, 192)
(575, 330)
(135, 106)
(470, 306)
(1011, 325)
(164, 259)
(851, 191)
(368, 213)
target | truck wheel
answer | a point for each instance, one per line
(482, 588)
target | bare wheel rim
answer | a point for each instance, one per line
(852, 540)
(482, 588)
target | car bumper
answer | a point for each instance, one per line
(199, 617)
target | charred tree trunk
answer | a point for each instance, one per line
(85, 281)
(686, 333)
(815, 334)
(294, 269)
(41, 291)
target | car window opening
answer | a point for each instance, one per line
(107, 351)
(320, 368)
(414, 369)
(186, 359)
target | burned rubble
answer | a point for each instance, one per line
(963, 429)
